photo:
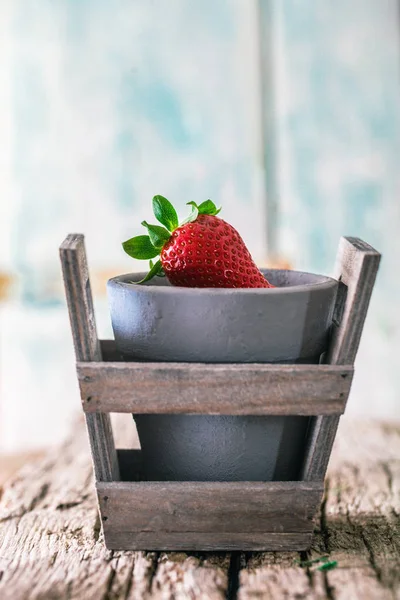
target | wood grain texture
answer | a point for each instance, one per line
(207, 541)
(356, 267)
(276, 576)
(87, 348)
(358, 526)
(235, 389)
(224, 514)
(51, 546)
(79, 298)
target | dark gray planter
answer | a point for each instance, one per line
(288, 324)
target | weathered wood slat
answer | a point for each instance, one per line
(51, 546)
(356, 267)
(216, 509)
(87, 348)
(358, 526)
(235, 389)
(206, 541)
(79, 298)
(357, 264)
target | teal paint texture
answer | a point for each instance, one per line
(336, 145)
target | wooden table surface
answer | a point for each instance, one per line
(51, 544)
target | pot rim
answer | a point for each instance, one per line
(320, 282)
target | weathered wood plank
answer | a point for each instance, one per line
(51, 546)
(212, 508)
(277, 576)
(87, 348)
(207, 541)
(79, 298)
(50, 543)
(359, 527)
(234, 389)
(12, 463)
(319, 447)
(182, 577)
(360, 523)
(356, 267)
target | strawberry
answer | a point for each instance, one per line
(203, 251)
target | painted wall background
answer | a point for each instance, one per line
(336, 125)
(104, 104)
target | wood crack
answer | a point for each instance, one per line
(323, 517)
(129, 582)
(386, 468)
(49, 553)
(67, 505)
(304, 556)
(151, 573)
(109, 584)
(325, 534)
(233, 576)
(370, 551)
(329, 589)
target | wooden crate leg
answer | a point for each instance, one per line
(87, 348)
(357, 264)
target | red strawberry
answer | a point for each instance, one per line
(204, 251)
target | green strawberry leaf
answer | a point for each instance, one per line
(165, 213)
(206, 208)
(140, 247)
(158, 235)
(155, 270)
(193, 215)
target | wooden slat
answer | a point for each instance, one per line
(50, 546)
(87, 348)
(184, 506)
(234, 389)
(356, 268)
(210, 541)
(182, 509)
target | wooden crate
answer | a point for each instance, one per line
(141, 515)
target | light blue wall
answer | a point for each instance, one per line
(104, 104)
(336, 149)
(337, 96)
(113, 102)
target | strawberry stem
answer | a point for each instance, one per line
(206, 208)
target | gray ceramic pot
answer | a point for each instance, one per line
(288, 324)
